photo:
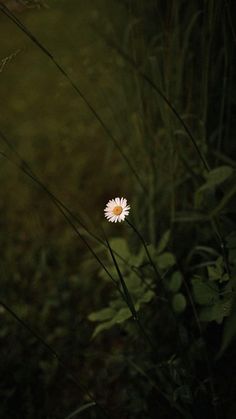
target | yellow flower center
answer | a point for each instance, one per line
(117, 210)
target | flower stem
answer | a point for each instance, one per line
(128, 299)
(158, 275)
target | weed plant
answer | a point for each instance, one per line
(133, 320)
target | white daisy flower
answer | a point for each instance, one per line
(116, 210)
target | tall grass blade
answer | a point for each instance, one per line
(70, 222)
(129, 301)
(29, 34)
(151, 83)
(52, 351)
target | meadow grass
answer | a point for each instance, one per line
(174, 267)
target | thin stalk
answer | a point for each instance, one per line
(24, 29)
(70, 222)
(151, 83)
(129, 300)
(175, 405)
(79, 92)
(52, 351)
(123, 295)
(158, 275)
(186, 128)
(25, 167)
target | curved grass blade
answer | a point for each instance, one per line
(128, 299)
(151, 83)
(52, 351)
(24, 165)
(70, 222)
(30, 35)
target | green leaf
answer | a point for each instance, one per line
(179, 303)
(175, 282)
(148, 296)
(216, 312)
(213, 178)
(224, 201)
(204, 293)
(81, 409)
(120, 246)
(126, 295)
(101, 315)
(122, 315)
(214, 273)
(133, 283)
(219, 175)
(117, 304)
(163, 242)
(137, 259)
(104, 276)
(165, 260)
(102, 326)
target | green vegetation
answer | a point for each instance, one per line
(130, 320)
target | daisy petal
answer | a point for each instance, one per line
(116, 210)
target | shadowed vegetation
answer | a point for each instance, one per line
(99, 100)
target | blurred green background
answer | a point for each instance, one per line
(148, 69)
